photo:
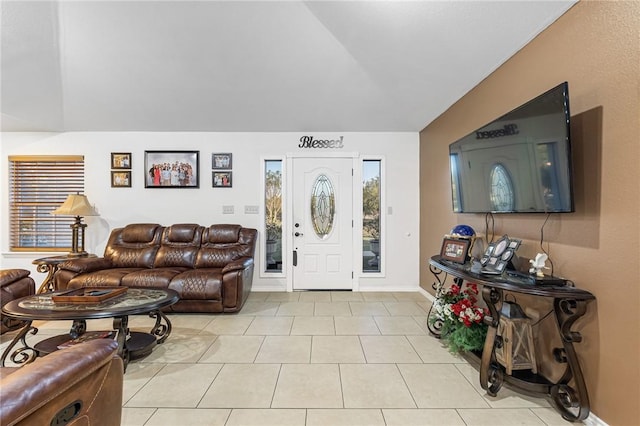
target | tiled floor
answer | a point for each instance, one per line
(311, 358)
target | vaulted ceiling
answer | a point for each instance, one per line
(252, 65)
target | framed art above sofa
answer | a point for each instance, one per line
(172, 169)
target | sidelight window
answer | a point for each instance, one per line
(273, 215)
(371, 205)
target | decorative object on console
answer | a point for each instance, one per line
(514, 341)
(462, 320)
(454, 249)
(76, 205)
(463, 231)
(538, 264)
(498, 255)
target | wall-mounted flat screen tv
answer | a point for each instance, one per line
(518, 163)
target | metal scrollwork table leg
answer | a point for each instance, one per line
(23, 354)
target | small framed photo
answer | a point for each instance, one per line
(120, 179)
(221, 179)
(455, 250)
(172, 169)
(121, 160)
(221, 161)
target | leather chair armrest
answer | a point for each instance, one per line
(89, 372)
(86, 264)
(238, 264)
(8, 276)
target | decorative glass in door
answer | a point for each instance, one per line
(323, 206)
(502, 198)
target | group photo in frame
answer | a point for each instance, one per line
(221, 161)
(454, 250)
(172, 169)
(121, 160)
(222, 179)
(121, 179)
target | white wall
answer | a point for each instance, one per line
(120, 206)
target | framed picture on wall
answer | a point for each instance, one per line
(222, 179)
(172, 169)
(221, 161)
(120, 160)
(121, 179)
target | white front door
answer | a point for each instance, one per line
(322, 225)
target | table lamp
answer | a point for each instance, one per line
(76, 205)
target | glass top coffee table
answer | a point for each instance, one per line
(131, 345)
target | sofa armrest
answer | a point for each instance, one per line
(89, 373)
(7, 276)
(83, 265)
(238, 265)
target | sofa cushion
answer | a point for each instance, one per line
(151, 278)
(134, 246)
(179, 246)
(8, 276)
(218, 257)
(223, 234)
(139, 232)
(104, 278)
(198, 284)
(182, 233)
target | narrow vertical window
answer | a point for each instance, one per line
(371, 215)
(273, 215)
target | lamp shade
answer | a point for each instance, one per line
(76, 205)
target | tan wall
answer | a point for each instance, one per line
(595, 47)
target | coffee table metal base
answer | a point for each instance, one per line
(131, 344)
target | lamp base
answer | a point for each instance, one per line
(78, 254)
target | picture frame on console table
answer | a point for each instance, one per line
(172, 169)
(455, 250)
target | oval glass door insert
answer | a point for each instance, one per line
(501, 196)
(323, 206)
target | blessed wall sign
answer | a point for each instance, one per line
(308, 142)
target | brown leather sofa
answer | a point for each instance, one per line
(14, 284)
(210, 268)
(77, 386)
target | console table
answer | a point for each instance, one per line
(569, 304)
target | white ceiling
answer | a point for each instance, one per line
(252, 66)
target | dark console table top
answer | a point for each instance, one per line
(509, 282)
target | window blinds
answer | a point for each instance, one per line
(37, 186)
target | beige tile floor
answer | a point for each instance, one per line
(310, 358)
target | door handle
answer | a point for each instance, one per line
(295, 258)
(298, 234)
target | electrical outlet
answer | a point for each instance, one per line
(227, 209)
(250, 209)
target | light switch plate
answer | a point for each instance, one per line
(250, 209)
(227, 209)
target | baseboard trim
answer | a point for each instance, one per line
(594, 420)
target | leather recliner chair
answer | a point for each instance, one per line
(14, 284)
(76, 386)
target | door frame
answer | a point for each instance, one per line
(356, 231)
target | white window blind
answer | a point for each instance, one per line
(37, 186)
